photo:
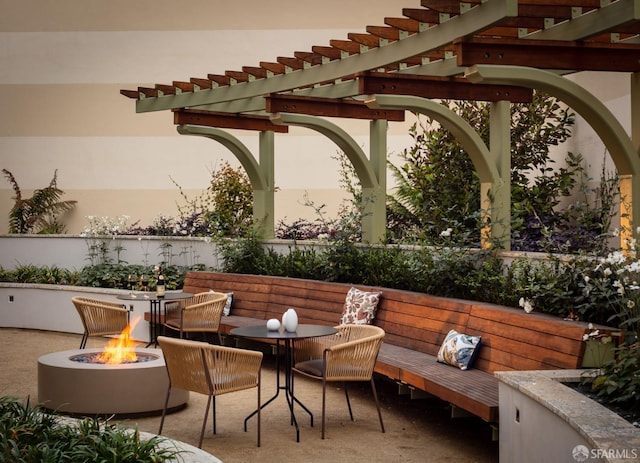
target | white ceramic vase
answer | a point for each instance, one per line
(290, 320)
(273, 324)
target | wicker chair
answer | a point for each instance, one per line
(201, 313)
(209, 369)
(100, 318)
(349, 355)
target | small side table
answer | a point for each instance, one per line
(302, 332)
(155, 306)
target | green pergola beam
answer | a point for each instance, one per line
(591, 23)
(494, 178)
(261, 175)
(368, 172)
(615, 138)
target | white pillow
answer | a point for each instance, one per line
(360, 307)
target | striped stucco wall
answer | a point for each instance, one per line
(63, 63)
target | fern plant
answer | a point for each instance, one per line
(42, 212)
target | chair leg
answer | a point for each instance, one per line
(346, 394)
(213, 406)
(83, 341)
(259, 407)
(204, 421)
(164, 410)
(324, 400)
(375, 397)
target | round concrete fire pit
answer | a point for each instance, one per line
(69, 382)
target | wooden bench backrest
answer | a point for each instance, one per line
(314, 301)
(511, 339)
(250, 292)
(515, 340)
(419, 321)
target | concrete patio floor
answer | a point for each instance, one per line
(418, 430)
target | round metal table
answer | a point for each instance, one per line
(303, 331)
(155, 306)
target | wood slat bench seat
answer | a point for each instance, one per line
(415, 325)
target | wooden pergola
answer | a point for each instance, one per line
(497, 51)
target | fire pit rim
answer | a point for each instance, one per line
(64, 359)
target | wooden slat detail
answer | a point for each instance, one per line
(313, 59)
(276, 68)
(166, 89)
(219, 79)
(239, 76)
(184, 86)
(472, 390)
(250, 293)
(293, 63)
(404, 24)
(204, 84)
(369, 40)
(388, 33)
(329, 52)
(422, 15)
(446, 6)
(130, 93)
(148, 92)
(349, 46)
(257, 72)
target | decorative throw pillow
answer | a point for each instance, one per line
(359, 307)
(227, 307)
(459, 350)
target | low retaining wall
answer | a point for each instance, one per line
(49, 307)
(541, 419)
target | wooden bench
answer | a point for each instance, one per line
(415, 326)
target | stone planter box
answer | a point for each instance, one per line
(541, 419)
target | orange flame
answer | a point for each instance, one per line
(120, 349)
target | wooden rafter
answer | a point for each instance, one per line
(226, 121)
(441, 88)
(523, 37)
(329, 108)
(549, 55)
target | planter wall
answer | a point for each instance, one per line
(72, 252)
(541, 419)
(49, 307)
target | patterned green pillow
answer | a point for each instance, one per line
(459, 350)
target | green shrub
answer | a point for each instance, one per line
(97, 276)
(29, 435)
(40, 274)
(619, 381)
(117, 275)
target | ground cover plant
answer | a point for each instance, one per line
(30, 435)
